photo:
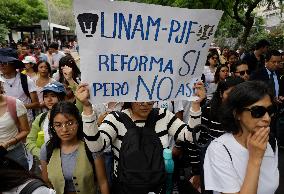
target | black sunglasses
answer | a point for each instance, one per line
(243, 72)
(260, 111)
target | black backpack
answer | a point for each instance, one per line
(141, 167)
(32, 186)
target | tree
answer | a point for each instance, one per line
(3, 32)
(238, 17)
(61, 12)
(21, 12)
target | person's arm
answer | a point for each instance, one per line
(32, 137)
(44, 174)
(23, 132)
(35, 103)
(95, 140)
(67, 73)
(101, 175)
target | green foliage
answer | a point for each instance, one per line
(3, 32)
(21, 12)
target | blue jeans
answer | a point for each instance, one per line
(108, 156)
(18, 154)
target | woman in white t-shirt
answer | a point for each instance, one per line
(245, 159)
(11, 133)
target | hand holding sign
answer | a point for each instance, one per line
(82, 94)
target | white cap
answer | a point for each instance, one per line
(29, 59)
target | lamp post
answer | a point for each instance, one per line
(49, 20)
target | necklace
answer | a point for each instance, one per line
(10, 84)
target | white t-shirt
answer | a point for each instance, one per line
(45, 129)
(39, 190)
(17, 91)
(55, 59)
(8, 127)
(222, 174)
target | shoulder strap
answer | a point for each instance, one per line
(126, 120)
(152, 118)
(41, 119)
(12, 109)
(31, 186)
(228, 152)
(24, 82)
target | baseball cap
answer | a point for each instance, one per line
(29, 59)
(8, 55)
(55, 87)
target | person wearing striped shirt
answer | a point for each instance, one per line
(112, 130)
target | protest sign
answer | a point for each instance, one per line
(141, 52)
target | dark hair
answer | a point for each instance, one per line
(12, 174)
(65, 108)
(216, 100)
(217, 73)
(54, 45)
(47, 64)
(126, 105)
(231, 53)
(238, 63)
(261, 43)
(70, 62)
(271, 53)
(211, 54)
(242, 95)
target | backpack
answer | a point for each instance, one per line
(141, 165)
(12, 109)
(25, 87)
(41, 119)
(32, 186)
(24, 82)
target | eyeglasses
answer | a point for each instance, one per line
(67, 125)
(260, 111)
(243, 72)
(148, 103)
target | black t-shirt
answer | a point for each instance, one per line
(253, 63)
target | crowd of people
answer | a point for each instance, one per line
(53, 140)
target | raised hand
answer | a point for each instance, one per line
(82, 94)
(200, 91)
(257, 142)
(67, 73)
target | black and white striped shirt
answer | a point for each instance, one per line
(112, 131)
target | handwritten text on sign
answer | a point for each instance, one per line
(141, 52)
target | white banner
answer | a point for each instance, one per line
(141, 52)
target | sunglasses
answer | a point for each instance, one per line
(243, 72)
(260, 111)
